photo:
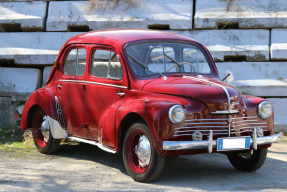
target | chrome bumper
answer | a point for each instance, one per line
(209, 144)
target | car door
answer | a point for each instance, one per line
(70, 89)
(106, 86)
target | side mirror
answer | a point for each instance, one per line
(229, 77)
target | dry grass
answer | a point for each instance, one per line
(110, 5)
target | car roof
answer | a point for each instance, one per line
(120, 37)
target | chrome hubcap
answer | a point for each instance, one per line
(142, 151)
(45, 127)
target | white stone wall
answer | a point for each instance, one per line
(252, 44)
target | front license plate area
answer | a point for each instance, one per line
(233, 143)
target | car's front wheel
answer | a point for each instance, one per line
(245, 164)
(141, 160)
(42, 136)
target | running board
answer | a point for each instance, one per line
(93, 143)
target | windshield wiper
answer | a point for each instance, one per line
(172, 59)
(195, 73)
(136, 61)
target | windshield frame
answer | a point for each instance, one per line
(195, 44)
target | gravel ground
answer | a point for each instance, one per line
(87, 168)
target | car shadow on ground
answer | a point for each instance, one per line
(194, 171)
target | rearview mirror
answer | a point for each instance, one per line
(228, 75)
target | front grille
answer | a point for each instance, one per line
(219, 126)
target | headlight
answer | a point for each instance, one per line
(265, 110)
(176, 114)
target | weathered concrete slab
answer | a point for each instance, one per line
(22, 16)
(278, 44)
(6, 112)
(19, 83)
(280, 113)
(235, 45)
(212, 14)
(161, 14)
(32, 48)
(46, 74)
(265, 79)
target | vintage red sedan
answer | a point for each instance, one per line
(148, 95)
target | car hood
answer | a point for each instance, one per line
(212, 92)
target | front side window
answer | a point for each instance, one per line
(75, 62)
(153, 57)
(106, 64)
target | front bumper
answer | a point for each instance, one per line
(209, 144)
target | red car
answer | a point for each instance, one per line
(148, 95)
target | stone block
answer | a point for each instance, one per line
(19, 83)
(278, 44)
(22, 16)
(34, 48)
(153, 14)
(280, 113)
(6, 112)
(265, 79)
(46, 74)
(233, 45)
(214, 14)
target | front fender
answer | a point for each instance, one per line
(153, 108)
(44, 98)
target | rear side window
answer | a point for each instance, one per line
(106, 64)
(75, 62)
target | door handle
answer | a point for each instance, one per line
(120, 94)
(60, 85)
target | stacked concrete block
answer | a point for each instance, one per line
(32, 48)
(226, 45)
(280, 113)
(212, 14)
(19, 83)
(7, 110)
(46, 73)
(22, 16)
(158, 14)
(278, 44)
(265, 79)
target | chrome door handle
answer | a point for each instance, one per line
(120, 94)
(60, 85)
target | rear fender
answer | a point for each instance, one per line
(44, 98)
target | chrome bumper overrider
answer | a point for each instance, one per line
(209, 144)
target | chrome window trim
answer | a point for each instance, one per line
(96, 83)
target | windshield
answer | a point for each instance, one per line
(161, 57)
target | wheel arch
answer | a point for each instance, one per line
(126, 122)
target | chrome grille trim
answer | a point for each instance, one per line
(200, 130)
(220, 126)
(206, 123)
(224, 119)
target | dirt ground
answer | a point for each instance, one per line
(83, 167)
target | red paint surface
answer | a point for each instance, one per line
(150, 97)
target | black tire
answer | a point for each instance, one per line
(248, 165)
(156, 163)
(45, 147)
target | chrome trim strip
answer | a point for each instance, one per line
(255, 124)
(93, 143)
(244, 121)
(225, 112)
(224, 119)
(244, 117)
(198, 127)
(186, 145)
(199, 130)
(246, 128)
(206, 123)
(89, 82)
(202, 134)
(254, 137)
(210, 139)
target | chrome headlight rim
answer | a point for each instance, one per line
(260, 106)
(171, 117)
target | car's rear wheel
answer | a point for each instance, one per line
(141, 160)
(42, 136)
(253, 163)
